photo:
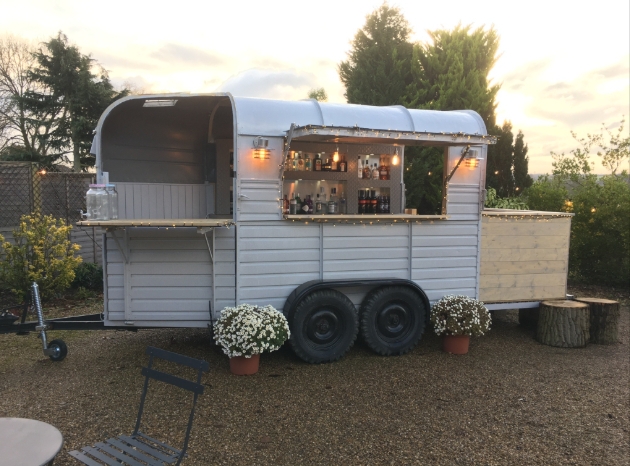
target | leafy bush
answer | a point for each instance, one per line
(496, 202)
(42, 252)
(548, 194)
(460, 315)
(88, 275)
(600, 232)
(246, 330)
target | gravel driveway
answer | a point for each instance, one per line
(511, 400)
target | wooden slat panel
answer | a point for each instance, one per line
(282, 230)
(524, 242)
(375, 253)
(456, 283)
(375, 231)
(153, 199)
(184, 294)
(179, 268)
(184, 281)
(441, 252)
(432, 241)
(263, 243)
(523, 280)
(522, 294)
(168, 207)
(139, 256)
(437, 294)
(523, 267)
(523, 254)
(275, 255)
(363, 243)
(287, 267)
(137, 200)
(441, 229)
(526, 228)
(361, 274)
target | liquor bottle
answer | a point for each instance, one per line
(375, 173)
(318, 206)
(343, 204)
(383, 173)
(285, 205)
(361, 201)
(293, 205)
(309, 203)
(373, 202)
(322, 196)
(326, 167)
(360, 166)
(294, 163)
(386, 206)
(308, 163)
(318, 163)
(333, 207)
(298, 203)
(343, 165)
(388, 168)
(304, 206)
(367, 170)
(288, 164)
(300, 162)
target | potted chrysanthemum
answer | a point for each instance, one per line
(458, 318)
(246, 331)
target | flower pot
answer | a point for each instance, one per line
(456, 344)
(240, 365)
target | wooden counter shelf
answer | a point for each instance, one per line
(402, 218)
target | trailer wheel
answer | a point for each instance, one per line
(392, 320)
(323, 326)
(59, 350)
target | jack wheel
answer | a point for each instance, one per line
(59, 350)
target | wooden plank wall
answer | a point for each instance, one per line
(524, 259)
(160, 200)
(258, 200)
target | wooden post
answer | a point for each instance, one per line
(604, 320)
(564, 324)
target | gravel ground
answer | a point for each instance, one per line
(511, 400)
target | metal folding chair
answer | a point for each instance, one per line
(139, 449)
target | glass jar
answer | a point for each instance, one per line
(112, 201)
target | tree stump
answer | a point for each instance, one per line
(564, 324)
(528, 317)
(604, 320)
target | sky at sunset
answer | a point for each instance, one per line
(562, 67)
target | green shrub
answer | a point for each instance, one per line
(600, 232)
(496, 202)
(42, 253)
(547, 194)
(88, 275)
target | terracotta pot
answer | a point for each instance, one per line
(240, 365)
(456, 344)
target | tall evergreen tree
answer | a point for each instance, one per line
(451, 73)
(520, 165)
(500, 157)
(71, 95)
(378, 69)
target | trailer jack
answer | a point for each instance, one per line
(57, 349)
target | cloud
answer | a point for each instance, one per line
(188, 55)
(286, 84)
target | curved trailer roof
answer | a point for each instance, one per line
(266, 117)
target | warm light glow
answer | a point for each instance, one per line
(260, 148)
(395, 159)
(261, 153)
(42, 171)
(430, 173)
(496, 172)
(336, 156)
(517, 188)
(472, 163)
(593, 210)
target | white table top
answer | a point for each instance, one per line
(27, 442)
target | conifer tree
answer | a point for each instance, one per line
(520, 165)
(378, 69)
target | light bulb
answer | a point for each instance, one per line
(336, 155)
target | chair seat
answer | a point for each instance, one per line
(133, 450)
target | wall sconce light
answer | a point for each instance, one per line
(261, 148)
(472, 159)
(395, 158)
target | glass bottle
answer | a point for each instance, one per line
(90, 202)
(375, 173)
(322, 196)
(307, 163)
(367, 170)
(294, 166)
(318, 206)
(318, 163)
(361, 201)
(343, 204)
(382, 170)
(343, 165)
(332, 204)
(112, 201)
(300, 162)
(373, 202)
(360, 166)
(298, 203)
(285, 205)
(293, 206)
(304, 207)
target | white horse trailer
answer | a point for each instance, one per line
(202, 225)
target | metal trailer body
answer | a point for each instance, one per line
(181, 251)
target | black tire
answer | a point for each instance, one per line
(60, 350)
(323, 326)
(393, 320)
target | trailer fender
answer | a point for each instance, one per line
(309, 287)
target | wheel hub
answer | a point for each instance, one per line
(323, 326)
(393, 320)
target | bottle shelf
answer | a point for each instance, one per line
(320, 175)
